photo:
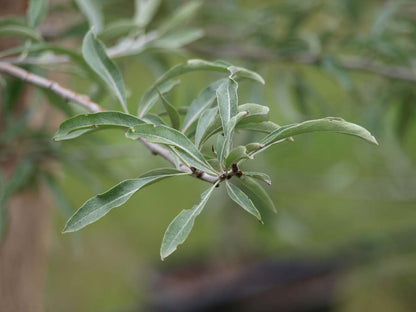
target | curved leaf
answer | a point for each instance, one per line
(14, 30)
(80, 124)
(207, 117)
(94, 53)
(259, 176)
(227, 99)
(36, 12)
(179, 229)
(173, 114)
(257, 193)
(242, 199)
(92, 11)
(202, 102)
(329, 124)
(98, 206)
(171, 137)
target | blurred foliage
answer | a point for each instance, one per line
(347, 58)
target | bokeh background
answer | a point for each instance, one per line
(344, 237)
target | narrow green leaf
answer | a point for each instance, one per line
(264, 126)
(92, 9)
(98, 206)
(253, 112)
(145, 10)
(243, 72)
(80, 124)
(204, 100)
(173, 114)
(177, 39)
(189, 66)
(94, 53)
(329, 124)
(171, 137)
(154, 119)
(227, 99)
(207, 117)
(257, 193)
(36, 12)
(153, 96)
(180, 16)
(20, 31)
(259, 176)
(180, 228)
(242, 199)
(117, 29)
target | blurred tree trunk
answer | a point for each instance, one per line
(23, 249)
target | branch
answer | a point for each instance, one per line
(366, 65)
(44, 83)
(86, 102)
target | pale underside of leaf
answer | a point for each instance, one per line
(242, 200)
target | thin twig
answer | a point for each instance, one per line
(85, 102)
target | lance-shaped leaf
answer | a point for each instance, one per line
(171, 137)
(94, 53)
(36, 12)
(259, 176)
(227, 99)
(207, 117)
(179, 229)
(255, 114)
(180, 16)
(190, 66)
(227, 144)
(145, 10)
(263, 127)
(80, 124)
(98, 206)
(329, 124)
(245, 73)
(201, 103)
(173, 114)
(21, 31)
(257, 193)
(92, 9)
(242, 199)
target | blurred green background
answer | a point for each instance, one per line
(342, 204)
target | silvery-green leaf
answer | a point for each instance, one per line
(81, 124)
(259, 176)
(36, 12)
(180, 16)
(202, 102)
(178, 38)
(171, 137)
(117, 29)
(242, 199)
(243, 72)
(92, 9)
(98, 206)
(21, 31)
(94, 54)
(154, 119)
(207, 117)
(252, 112)
(227, 99)
(189, 66)
(153, 97)
(173, 114)
(257, 193)
(219, 147)
(145, 10)
(264, 126)
(179, 229)
(329, 124)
